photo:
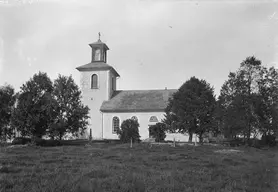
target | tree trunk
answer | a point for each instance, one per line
(201, 138)
(190, 137)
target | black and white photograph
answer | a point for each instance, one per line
(138, 96)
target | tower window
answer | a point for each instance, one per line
(153, 119)
(97, 54)
(115, 124)
(94, 81)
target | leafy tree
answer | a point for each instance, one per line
(247, 86)
(34, 110)
(248, 100)
(267, 102)
(129, 130)
(71, 114)
(192, 108)
(170, 120)
(7, 101)
(218, 118)
(158, 131)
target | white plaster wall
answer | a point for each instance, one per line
(109, 83)
(143, 119)
(180, 137)
(93, 98)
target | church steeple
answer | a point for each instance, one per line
(99, 51)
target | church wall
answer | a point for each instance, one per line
(93, 98)
(111, 84)
(143, 119)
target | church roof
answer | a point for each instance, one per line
(99, 43)
(138, 101)
(96, 66)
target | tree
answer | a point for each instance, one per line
(248, 99)
(71, 115)
(267, 102)
(33, 114)
(129, 130)
(170, 120)
(192, 108)
(158, 131)
(247, 86)
(7, 101)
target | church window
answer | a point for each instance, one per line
(153, 119)
(94, 81)
(134, 118)
(115, 124)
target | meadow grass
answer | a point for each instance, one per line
(116, 167)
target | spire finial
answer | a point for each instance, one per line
(99, 36)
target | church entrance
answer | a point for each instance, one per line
(149, 131)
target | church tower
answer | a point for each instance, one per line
(98, 82)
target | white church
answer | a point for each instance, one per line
(109, 107)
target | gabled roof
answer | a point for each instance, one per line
(138, 101)
(97, 66)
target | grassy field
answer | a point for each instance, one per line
(110, 167)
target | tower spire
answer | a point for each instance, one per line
(99, 50)
(99, 36)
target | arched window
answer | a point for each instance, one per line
(115, 124)
(94, 81)
(153, 119)
(134, 118)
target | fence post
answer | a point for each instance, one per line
(130, 142)
(195, 140)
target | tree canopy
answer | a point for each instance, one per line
(248, 100)
(7, 101)
(33, 113)
(44, 108)
(71, 115)
(129, 130)
(191, 108)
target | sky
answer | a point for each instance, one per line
(153, 43)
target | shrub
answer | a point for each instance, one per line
(45, 143)
(157, 131)
(268, 140)
(129, 130)
(21, 141)
(52, 143)
(48, 143)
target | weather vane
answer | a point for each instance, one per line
(98, 35)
